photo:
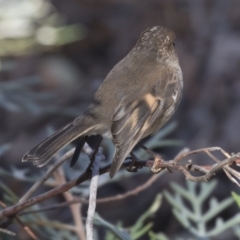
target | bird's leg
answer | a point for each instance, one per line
(131, 167)
(157, 160)
(93, 154)
(80, 143)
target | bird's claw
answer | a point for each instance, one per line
(157, 159)
(155, 167)
(131, 167)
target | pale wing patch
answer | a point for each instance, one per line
(129, 122)
(149, 99)
(126, 131)
(135, 116)
(156, 110)
(130, 129)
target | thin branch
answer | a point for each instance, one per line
(118, 197)
(45, 177)
(98, 157)
(186, 154)
(50, 171)
(208, 171)
(11, 211)
(29, 232)
(7, 232)
(75, 209)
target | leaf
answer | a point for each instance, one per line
(139, 225)
(236, 197)
(193, 217)
(121, 233)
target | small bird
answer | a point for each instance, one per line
(135, 100)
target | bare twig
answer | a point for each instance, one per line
(11, 211)
(93, 192)
(26, 228)
(48, 174)
(50, 171)
(7, 232)
(208, 172)
(75, 209)
(118, 197)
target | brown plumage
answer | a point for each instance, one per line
(136, 99)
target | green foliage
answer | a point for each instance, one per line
(38, 222)
(116, 231)
(139, 229)
(236, 197)
(193, 218)
(187, 204)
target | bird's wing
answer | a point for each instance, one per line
(129, 124)
(132, 122)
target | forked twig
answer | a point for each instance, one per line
(208, 171)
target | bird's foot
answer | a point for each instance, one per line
(131, 167)
(155, 167)
(157, 159)
(80, 143)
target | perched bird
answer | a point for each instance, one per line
(135, 100)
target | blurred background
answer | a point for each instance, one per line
(55, 54)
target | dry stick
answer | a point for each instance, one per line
(26, 228)
(186, 154)
(10, 211)
(208, 173)
(75, 209)
(227, 169)
(211, 172)
(118, 197)
(24, 203)
(50, 171)
(48, 174)
(93, 193)
(7, 232)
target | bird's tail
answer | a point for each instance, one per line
(41, 154)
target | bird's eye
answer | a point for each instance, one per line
(173, 44)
